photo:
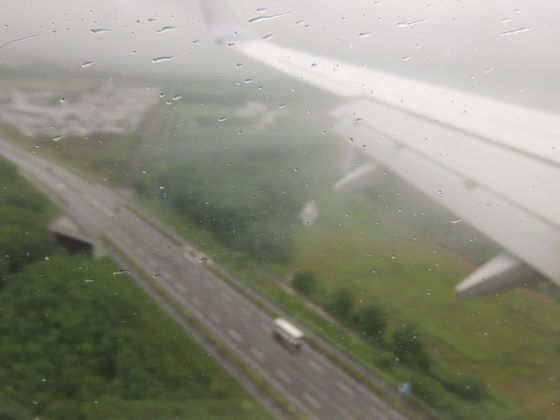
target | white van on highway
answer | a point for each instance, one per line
(287, 334)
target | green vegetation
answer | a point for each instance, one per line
(80, 342)
(304, 282)
(383, 263)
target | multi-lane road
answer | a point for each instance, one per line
(314, 386)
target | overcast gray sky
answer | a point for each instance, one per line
(504, 48)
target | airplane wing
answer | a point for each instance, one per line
(494, 164)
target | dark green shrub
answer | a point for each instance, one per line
(341, 303)
(304, 282)
(409, 348)
(371, 320)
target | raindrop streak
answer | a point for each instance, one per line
(162, 59)
(99, 31)
(365, 35)
(262, 10)
(269, 37)
(488, 70)
(516, 31)
(57, 138)
(177, 97)
(262, 18)
(88, 64)
(282, 106)
(18, 40)
(196, 41)
(222, 119)
(248, 81)
(121, 272)
(408, 24)
(166, 29)
(90, 280)
(408, 57)
(506, 20)
(457, 221)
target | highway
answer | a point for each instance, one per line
(314, 386)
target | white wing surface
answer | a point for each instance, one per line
(495, 165)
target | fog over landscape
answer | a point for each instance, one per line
(505, 49)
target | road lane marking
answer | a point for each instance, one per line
(99, 206)
(345, 388)
(235, 335)
(197, 301)
(316, 404)
(257, 354)
(282, 375)
(315, 366)
(215, 318)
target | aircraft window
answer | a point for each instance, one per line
(248, 209)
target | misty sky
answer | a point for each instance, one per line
(507, 49)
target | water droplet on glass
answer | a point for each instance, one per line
(177, 97)
(488, 70)
(262, 18)
(457, 221)
(90, 280)
(196, 41)
(506, 20)
(408, 57)
(359, 119)
(161, 187)
(239, 65)
(365, 35)
(88, 64)
(300, 22)
(57, 138)
(162, 94)
(166, 29)
(269, 37)
(35, 402)
(121, 272)
(407, 24)
(44, 379)
(248, 81)
(516, 31)
(62, 100)
(282, 106)
(222, 119)
(99, 31)
(162, 59)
